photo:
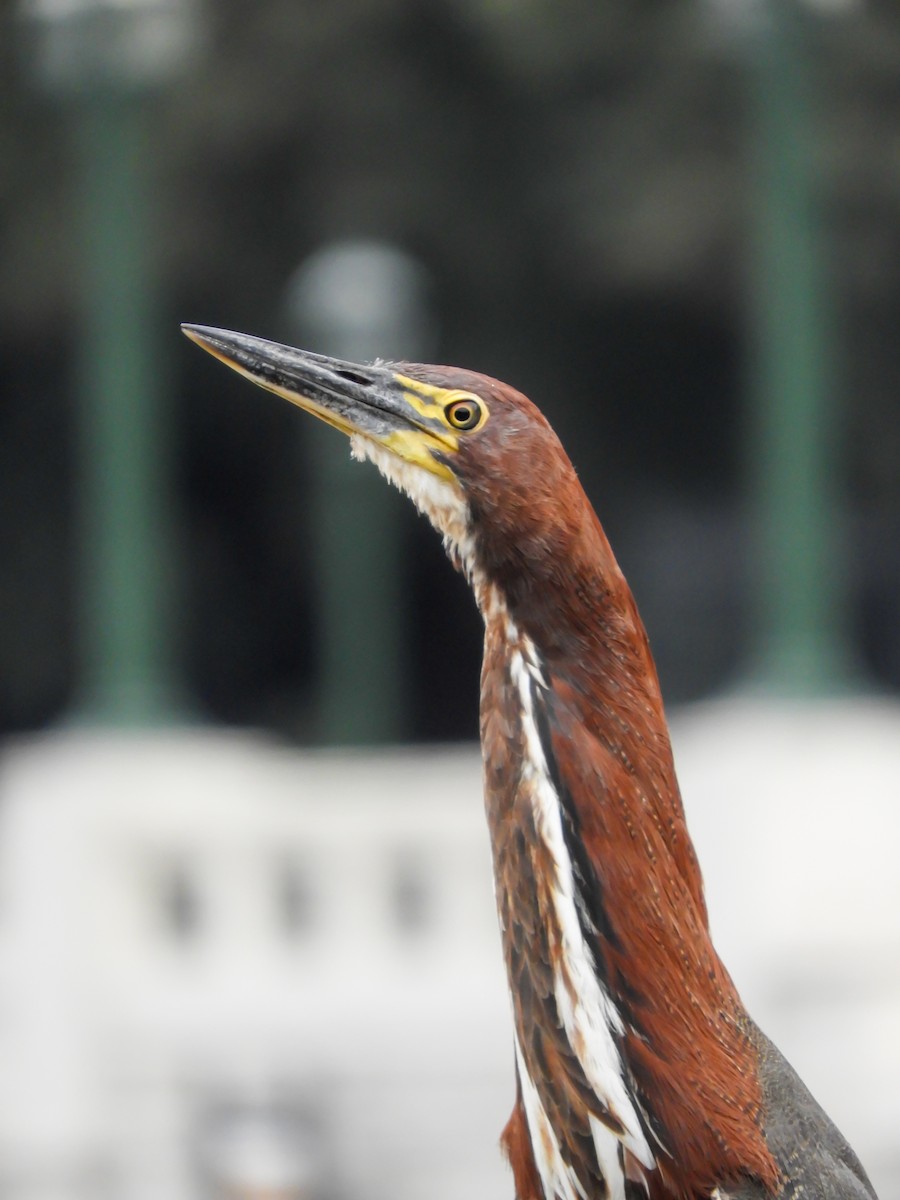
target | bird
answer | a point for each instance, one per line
(638, 1071)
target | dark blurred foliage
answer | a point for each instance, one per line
(575, 177)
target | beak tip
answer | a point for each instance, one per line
(194, 332)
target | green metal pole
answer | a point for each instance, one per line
(800, 601)
(125, 623)
(359, 580)
(356, 298)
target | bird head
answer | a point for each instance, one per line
(473, 454)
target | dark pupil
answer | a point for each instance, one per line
(462, 414)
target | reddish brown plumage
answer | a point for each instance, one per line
(638, 1070)
(517, 1145)
(545, 563)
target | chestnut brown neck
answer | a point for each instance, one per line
(684, 1046)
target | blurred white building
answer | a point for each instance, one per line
(233, 970)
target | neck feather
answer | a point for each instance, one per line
(633, 1048)
(660, 1019)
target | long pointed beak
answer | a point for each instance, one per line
(370, 401)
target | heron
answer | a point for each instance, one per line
(639, 1072)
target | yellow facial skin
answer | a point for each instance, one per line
(432, 404)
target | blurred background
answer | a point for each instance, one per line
(247, 938)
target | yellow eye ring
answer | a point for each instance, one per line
(464, 413)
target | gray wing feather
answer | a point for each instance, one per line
(815, 1159)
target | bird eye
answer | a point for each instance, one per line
(463, 414)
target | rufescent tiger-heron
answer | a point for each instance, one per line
(639, 1072)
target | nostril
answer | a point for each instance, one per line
(353, 377)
